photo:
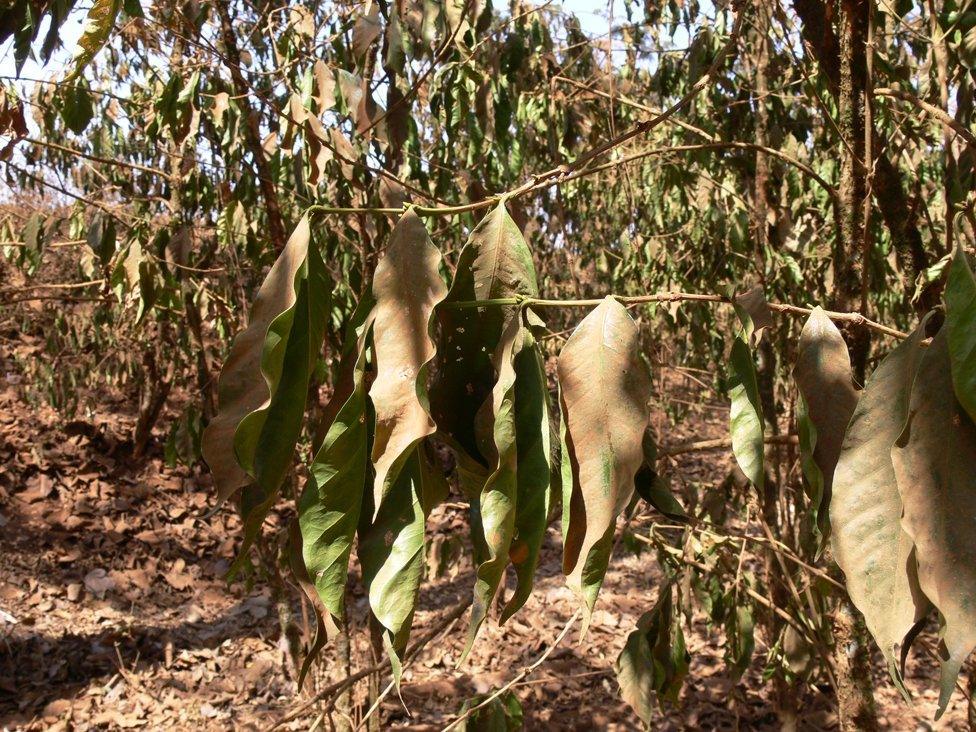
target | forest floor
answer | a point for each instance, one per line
(114, 611)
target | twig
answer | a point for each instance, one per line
(520, 675)
(853, 318)
(940, 115)
(333, 690)
(721, 443)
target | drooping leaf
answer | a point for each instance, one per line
(329, 508)
(98, 28)
(605, 389)
(262, 386)
(814, 519)
(407, 287)
(514, 503)
(391, 550)
(746, 418)
(497, 500)
(960, 299)
(76, 107)
(935, 465)
(322, 617)
(824, 377)
(495, 263)
(654, 660)
(365, 31)
(265, 439)
(535, 477)
(653, 487)
(869, 544)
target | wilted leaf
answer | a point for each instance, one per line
(824, 377)
(365, 31)
(605, 389)
(407, 286)
(654, 488)
(868, 541)
(960, 299)
(329, 508)
(534, 469)
(753, 310)
(324, 86)
(391, 551)
(263, 384)
(935, 464)
(746, 418)
(497, 499)
(495, 263)
(654, 661)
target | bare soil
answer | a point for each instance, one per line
(115, 614)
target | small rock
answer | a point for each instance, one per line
(74, 592)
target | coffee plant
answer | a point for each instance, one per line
(507, 236)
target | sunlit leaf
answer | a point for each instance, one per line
(824, 377)
(746, 418)
(263, 384)
(98, 28)
(869, 544)
(329, 508)
(960, 298)
(407, 287)
(935, 464)
(605, 389)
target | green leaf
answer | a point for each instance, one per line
(605, 390)
(76, 108)
(329, 508)
(391, 551)
(536, 479)
(654, 660)
(824, 377)
(495, 263)
(960, 299)
(498, 497)
(746, 419)
(98, 28)
(501, 714)
(265, 439)
(102, 237)
(935, 465)
(869, 544)
(262, 386)
(653, 487)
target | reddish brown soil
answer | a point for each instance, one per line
(116, 614)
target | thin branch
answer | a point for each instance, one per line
(939, 114)
(856, 319)
(333, 690)
(97, 158)
(519, 676)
